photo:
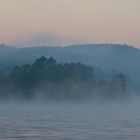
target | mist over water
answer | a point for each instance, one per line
(54, 87)
(70, 121)
(49, 100)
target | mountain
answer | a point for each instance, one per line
(108, 57)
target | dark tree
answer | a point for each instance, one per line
(57, 81)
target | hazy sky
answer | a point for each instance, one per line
(29, 22)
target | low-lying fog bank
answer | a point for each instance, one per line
(46, 80)
(61, 121)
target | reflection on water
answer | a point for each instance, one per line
(69, 122)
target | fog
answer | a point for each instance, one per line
(71, 93)
(62, 121)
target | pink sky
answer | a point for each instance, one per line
(72, 21)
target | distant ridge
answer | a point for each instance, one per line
(120, 57)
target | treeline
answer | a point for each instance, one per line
(45, 79)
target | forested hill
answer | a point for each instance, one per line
(46, 79)
(122, 58)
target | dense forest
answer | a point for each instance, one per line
(46, 79)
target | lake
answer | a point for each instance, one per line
(87, 121)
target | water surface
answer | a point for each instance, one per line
(69, 121)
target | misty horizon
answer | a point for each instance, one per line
(69, 69)
(52, 40)
(70, 22)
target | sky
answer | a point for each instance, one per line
(62, 22)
